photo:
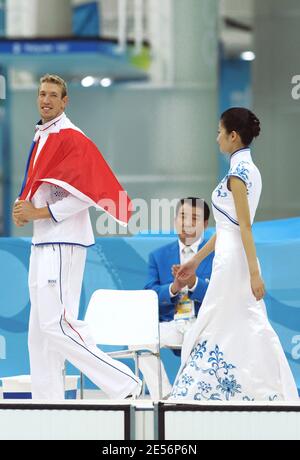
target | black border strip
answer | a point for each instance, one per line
(167, 407)
(80, 407)
(161, 422)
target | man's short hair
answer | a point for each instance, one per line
(48, 78)
(196, 203)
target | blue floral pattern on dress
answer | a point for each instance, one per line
(220, 190)
(241, 171)
(221, 386)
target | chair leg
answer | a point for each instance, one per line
(64, 373)
(144, 387)
(159, 375)
(136, 367)
(81, 385)
(64, 376)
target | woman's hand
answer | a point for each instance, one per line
(186, 271)
(257, 286)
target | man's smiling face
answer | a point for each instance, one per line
(51, 104)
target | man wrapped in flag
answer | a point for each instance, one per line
(65, 175)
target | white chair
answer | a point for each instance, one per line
(129, 318)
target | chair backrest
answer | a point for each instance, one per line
(117, 317)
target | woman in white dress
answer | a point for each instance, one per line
(232, 352)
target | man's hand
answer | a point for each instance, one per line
(189, 282)
(187, 270)
(17, 220)
(23, 212)
(175, 269)
(176, 285)
(19, 223)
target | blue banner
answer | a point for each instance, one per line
(44, 47)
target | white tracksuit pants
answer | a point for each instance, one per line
(55, 334)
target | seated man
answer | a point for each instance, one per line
(179, 302)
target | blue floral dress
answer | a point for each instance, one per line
(232, 352)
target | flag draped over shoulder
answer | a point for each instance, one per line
(72, 161)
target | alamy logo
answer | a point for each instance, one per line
(2, 87)
(296, 348)
(296, 87)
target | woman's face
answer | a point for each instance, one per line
(224, 139)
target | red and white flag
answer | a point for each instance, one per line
(72, 161)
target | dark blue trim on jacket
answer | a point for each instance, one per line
(60, 276)
(27, 167)
(62, 242)
(49, 209)
(225, 214)
(93, 354)
(240, 150)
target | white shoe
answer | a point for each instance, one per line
(137, 392)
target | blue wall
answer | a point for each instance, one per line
(121, 263)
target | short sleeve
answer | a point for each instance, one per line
(242, 171)
(67, 207)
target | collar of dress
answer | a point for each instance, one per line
(241, 155)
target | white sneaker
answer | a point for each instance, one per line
(137, 392)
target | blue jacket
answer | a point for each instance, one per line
(160, 277)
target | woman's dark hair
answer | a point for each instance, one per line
(243, 121)
(195, 203)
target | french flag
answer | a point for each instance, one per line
(70, 160)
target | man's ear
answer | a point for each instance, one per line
(66, 100)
